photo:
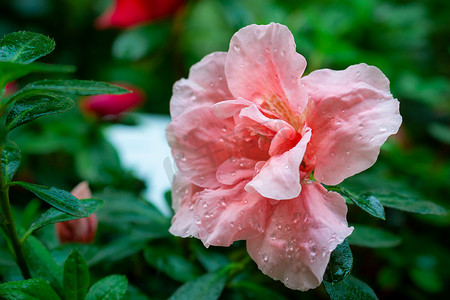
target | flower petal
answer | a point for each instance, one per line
(279, 179)
(235, 170)
(205, 86)
(296, 245)
(198, 144)
(351, 116)
(262, 63)
(184, 195)
(229, 214)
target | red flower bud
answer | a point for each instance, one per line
(128, 13)
(112, 105)
(79, 230)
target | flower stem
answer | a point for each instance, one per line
(11, 228)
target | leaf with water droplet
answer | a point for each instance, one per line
(340, 265)
(350, 288)
(367, 202)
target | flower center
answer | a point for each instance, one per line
(282, 108)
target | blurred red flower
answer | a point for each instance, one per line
(113, 105)
(81, 230)
(128, 13)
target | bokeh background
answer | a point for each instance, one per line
(407, 40)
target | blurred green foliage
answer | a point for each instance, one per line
(407, 40)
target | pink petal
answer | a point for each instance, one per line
(198, 145)
(235, 170)
(82, 191)
(263, 65)
(351, 116)
(279, 179)
(229, 214)
(205, 86)
(184, 195)
(299, 237)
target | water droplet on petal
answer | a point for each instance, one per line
(232, 224)
(283, 52)
(273, 236)
(233, 173)
(333, 154)
(383, 129)
(236, 47)
(220, 78)
(286, 166)
(265, 257)
(198, 221)
(240, 226)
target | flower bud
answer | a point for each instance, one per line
(79, 230)
(112, 106)
(128, 13)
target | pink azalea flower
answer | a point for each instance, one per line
(81, 230)
(129, 13)
(246, 134)
(113, 105)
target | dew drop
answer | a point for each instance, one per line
(297, 217)
(236, 47)
(211, 84)
(231, 224)
(191, 207)
(205, 205)
(333, 154)
(278, 225)
(383, 129)
(198, 221)
(220, 78)
(224, 129)
(286, 166)
(348, 152)
(265, 257)
(240, 226)
(273, 236)
(305, 218)
(283, 52)
(233, 173)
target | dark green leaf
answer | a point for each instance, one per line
(350, 289)
(24, 47)
(111, 287)
(52, 215)
(340, 265)
(366, 202)
(73, 87)
(372, 237)
(76, 277)
(11, 71)
(41, 263)
(10, 160)
(118, 249)
(136, 43)
(36, 288)
(411, 204)
(255, 291)
(29, 108)
(169, 260)
(206, 287)
(60, 199)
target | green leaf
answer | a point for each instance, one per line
(73, 87)
(76, 277)
(29, 108)
(111, 287)
(411, 204)
(350, 289)
(134, 44)
(59, 199)
(206, 287)
(36, 288)
(366, 202)
(255, 291)
(10, 160)
(24, 47)
(52, 215)
(340, 265)
(41, 263)
(11, 71)
(118, 249)
(372, 237)
(169, 260)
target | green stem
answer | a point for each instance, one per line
(11, 228)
